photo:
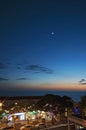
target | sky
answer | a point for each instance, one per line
(42, 46)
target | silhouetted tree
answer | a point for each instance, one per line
(83, 106)
(54, 103)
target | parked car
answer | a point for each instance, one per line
(26, 127)
(7, 128)
(40, 125)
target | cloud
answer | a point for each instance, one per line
(39, 69)
(82, 82)
(2, 66)
(21, 79)
(19, 66)
(3, 79)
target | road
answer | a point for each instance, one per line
(59, 127)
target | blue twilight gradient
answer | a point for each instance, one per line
(46, 33)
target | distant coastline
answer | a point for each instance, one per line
(75, 95)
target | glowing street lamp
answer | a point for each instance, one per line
(16, 103)
(1, 106)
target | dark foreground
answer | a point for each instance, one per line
(56, 128)
(61, 128)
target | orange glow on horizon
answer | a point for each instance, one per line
(62, 87)
(47, 86)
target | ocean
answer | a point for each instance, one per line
(75, 95)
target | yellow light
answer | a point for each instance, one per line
(0, 104)
(16, 103)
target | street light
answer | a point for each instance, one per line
(1, 106)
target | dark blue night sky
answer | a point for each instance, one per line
(42, 46)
